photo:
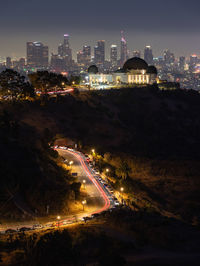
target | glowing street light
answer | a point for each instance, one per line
(93, 150)
(70, 163)
(84, 182)
(58, 218)
(107, 170)
(84, 202)
(122, 190)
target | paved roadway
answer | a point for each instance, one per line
(98, 197)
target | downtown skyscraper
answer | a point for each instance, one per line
(65, 51)
(37, 55)
(113, 55)
(148, 55)
(99, 53)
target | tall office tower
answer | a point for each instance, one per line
(169, 57)
(84, 56)
(57, 63)
(65, 51)
(99, 53)
(113, 55)
(8, 62)
(37, 54)
(124, 52)
(193, 62)
(181, 63)
(22, 63)
(148, 55)
(137, 54)
(80, 58)
(87, 54)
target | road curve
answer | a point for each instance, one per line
(95, 190)
(88, 175)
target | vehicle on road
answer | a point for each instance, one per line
(116, 202)
(86, 218)
(10, 231)
(96, 172)
(95, 215)
(23, 229)
(37, 226)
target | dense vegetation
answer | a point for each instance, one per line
(121, 237)
(155, 132)
(30, 176)
(150, 141)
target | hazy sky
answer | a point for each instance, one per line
(163, 24)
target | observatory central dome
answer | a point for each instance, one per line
(135, 63)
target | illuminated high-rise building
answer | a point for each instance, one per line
(37, 55)
(80, 58)
(99, 53)
(148, 55)
(57, 63)
(124, 52)
(8, 62)
(169, 57)
(65, 51)
(87, 54)
(137, 54)
(193, 62)
(84, 56)
(113, 55)
(181, 63)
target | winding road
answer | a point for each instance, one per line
(98, 198)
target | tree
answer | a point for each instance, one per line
(123, 170)
(14, 86)
(45, 81)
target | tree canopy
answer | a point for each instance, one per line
(14, 86)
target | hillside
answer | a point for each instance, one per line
(155, 132)
(31, 177)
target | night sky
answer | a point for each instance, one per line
(163, 24)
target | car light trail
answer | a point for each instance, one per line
(107, 201)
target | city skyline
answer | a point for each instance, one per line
(157, 51)
(161, 26)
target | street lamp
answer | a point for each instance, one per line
(107, 170)
(58, 218)
(70, 163)
(122, 190)
(84, 181)
(93, 150)
(84, 203)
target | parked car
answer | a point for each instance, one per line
(86, 218)
(95, 215)
(116, 202)
(10, 231)
(96, 172)
(23, 229)
(37, 226)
